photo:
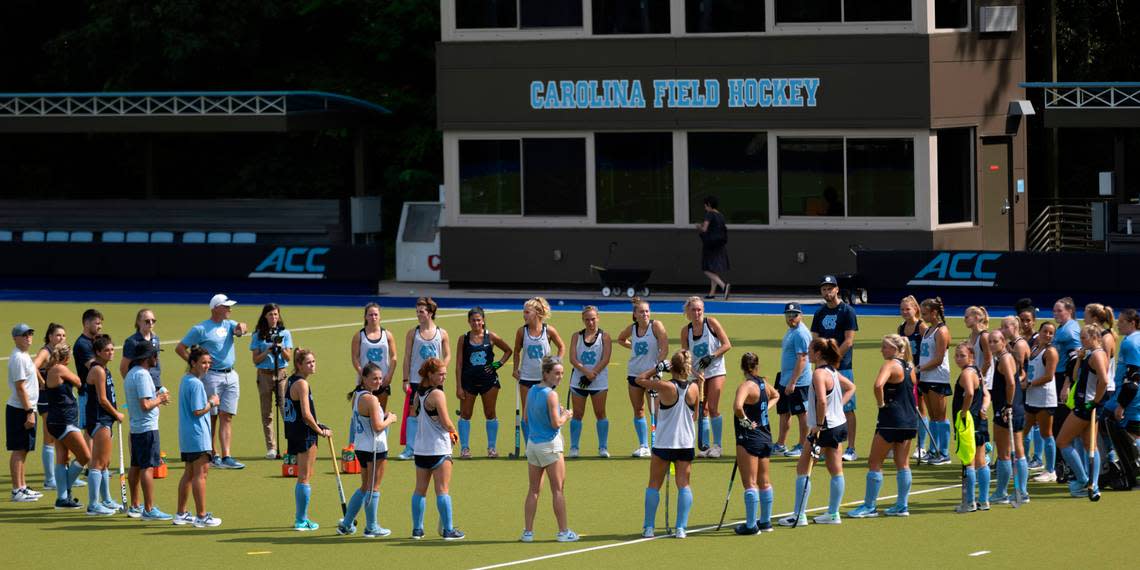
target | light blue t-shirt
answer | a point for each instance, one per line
(1128, 355)
(1067, 340)
(139, 384)
(538, 415)
(216, 338)
(795, 343)
(193, 431)
(256, 344)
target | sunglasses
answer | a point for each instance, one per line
(150, 321)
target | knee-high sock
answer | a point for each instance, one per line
(603, 433)
(903, 479)
(1022, 470)
(525, 430)
(419, 504)
(803, 493)
(410, 435)
(73, 471)
(641, 426)
(302, 492)
(984, 484)
(1076, 465)
(443, 504)
(371, 507)
(1004, 471)
(944, 448)
(62, 483)
(1050, 454)
(874, 483)
(353, 509)
(652, 499)
(575, 433)
(93, 487)
(717, 429)
(106, 486)
(684, 505)
(929, 436)
(492, 433)
(47, 456)
(1095, 475)
(464, 433)
(703, 432)
(751, 506)
(1038, 443)
(836, 496)
(971, 480)
(766, 497)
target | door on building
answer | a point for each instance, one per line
(995, 189)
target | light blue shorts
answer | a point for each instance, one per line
(850, 375)
(225, 385)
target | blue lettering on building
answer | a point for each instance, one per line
(292, 262)
(958, 269)
(748, 93)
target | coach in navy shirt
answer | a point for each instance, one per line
(836, 320)
(83, 353)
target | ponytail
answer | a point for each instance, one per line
(937, 307)
(827, 349)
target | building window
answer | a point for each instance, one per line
(477, 14)
(550, 13)
(880, 177)
(808, 11)
(554, 177)
(489, 177)
(733, 167)
(951, 14)
(497, 14)
(955, 176)
(824, 11)
(876, 11)
(810, 177)
(634, 177)
(723, 16)
(631, 17)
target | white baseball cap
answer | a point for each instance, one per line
(221, 299)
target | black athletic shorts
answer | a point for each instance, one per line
(1018, 423)
(1035, 410)
(936, 387)
(981, 432)
(301, 445)
(145, 450)
(366, 457)
(60, 431)
(1133, 428)
(41, 407)
(792, 404)
(19, 437)
(585, 392)
(430, 462)
(93, 427)
(895, 435)
(674, 454)
(480, 388)
(832, 438)
(529, 383)
(757, 449)
(193, 456)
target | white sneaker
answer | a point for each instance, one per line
(527, 536)
(647, 532)
(183, 518)
(642, 451)
(271, 454)
(22, 496)
(715, 451)
(572, 454)
(566, 536)
(207, 521)
(603, 452)
(790, 521)
(964, 508)
(1046, 477)
(33, 492)
(828, 518)
(680, 533)
(850, 454)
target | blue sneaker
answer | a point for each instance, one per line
(305, 526)
(527, 536)
(778, 449)
(377, 532)
(897, 510)
(117, 507)
(231, 463)
(456, 534)
(405, 455)
(863, 512)
(345, 530)
(70, 503)
(156, 515)
(216, 461)
(566, 536)
(795, 451)
(97, 510)
(1036, 464)
(999, 499)
(417, 533)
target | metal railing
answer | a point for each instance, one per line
(1089, 95)
(1062, 227)
(189, 103)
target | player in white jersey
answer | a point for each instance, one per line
(424, 341)
(372, 343)
(434, 441)
(369, 437)
(1103, 316)
(673, 437)
(934, 378)
(532, 342)
(648, 344)
(590, 350)
(707, 340)
(1041, 397)
(977, 320)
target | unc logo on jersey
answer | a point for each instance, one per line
(220, 332)
(534, 351)
(925, 350)
(829, 322)
(1029, 372)
(640, 348)
(289, 411)
(589, 358)
(375, 354)
(427, 351)
(701, 350)
(478, 358)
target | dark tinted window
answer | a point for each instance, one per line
(880, 177)
(955, 176)
(734, 168)
(951, 13)
(792, 11)
(550, 13)
(810, 177)
(876, 10)
(489, 181)
(721, 16)
(554, 177)
(473, 14)
(634, 177)
(631, 16)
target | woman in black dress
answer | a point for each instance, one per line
(714, 250)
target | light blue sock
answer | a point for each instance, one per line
(751, 506)
(984, 484)
(944, 449)
(93, 486)
(641, 426)
(62, 483)
(717, 429)
(443, 504)
(106, 486)
(604, 433)
(935, 436)
(492, 433)
(47, 455)
(419, 504)
(837, 486)
(464, 433)
(410, 435)
(971, 480)
(575, 433)
(803, 493)
(684, 505)
(1004, 472)
(706, 427)
(1050, 454)
(73, 471)
(1027, 440)
(1073, 459)
(903, 478)
(874, 483)
(1022, 467)
(1095, 475)
(302, 492)
(1038, 443)
(652, 499)
(766, 497)
(929, 436)
(525, 430)
(354, 505)
(371, 507)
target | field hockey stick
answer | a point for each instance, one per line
(731, 480)
(1094, 494)
(1014, 501)
(518, 421)
(404, 418)
(812, 456)
(122, 471)
(668, 476)
(277, 412)
(702, 439)
(339, 483)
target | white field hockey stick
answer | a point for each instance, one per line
(339, 483)
(1094, 494)
(1015, 500)
(518, 420)
(122, 471)
(813, 454)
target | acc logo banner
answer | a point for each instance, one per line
(958, 269)
(292, 263)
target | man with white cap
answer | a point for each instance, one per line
(216, 335)
(20, 413)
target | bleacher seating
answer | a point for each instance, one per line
(194, 237)
(219, 237)
(5, 235)
(114, 237)
(138, 237)
(57, 236)
(82, 237)
(33, 235)
(161, 237)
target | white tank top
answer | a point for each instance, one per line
(1111, 374)
(376, 352)
(423, 350)
(1093, 380)
(643, 350)
(833, 407)
(590, 356)
(431, 438)
(364, 438)
(979, 358)
(707, 344)
(675, 424)
(941, 374)
(1044, 396)
(533, 349)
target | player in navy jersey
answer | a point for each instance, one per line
(477, 377)
(754, 397)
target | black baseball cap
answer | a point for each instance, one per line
(828, 280)
(793, 307)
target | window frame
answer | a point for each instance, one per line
(680, 195)
(975, 140)
(687, 189)
(932, 24)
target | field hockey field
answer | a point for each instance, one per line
(604, 496)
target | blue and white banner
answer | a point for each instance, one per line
(748, 92)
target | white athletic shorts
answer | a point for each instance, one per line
(225, 385)
(545, 453)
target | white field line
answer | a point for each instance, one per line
(703, 529)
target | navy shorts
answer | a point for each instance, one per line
(672, 455)
(145, 450)
(936, 387)
(529, 383)
(60, 431)
(193, 456)
(584, 393)
(1018, 423)
(41, 407)
(981, 432)
(757, 449)
(366, 457)
(19, 437)
(480, 388)
(792, 404)
(832, 438)
(94, 427)
(430, 462)
(301, 445)
(896, 435)
(1035, 410)
(632, 383)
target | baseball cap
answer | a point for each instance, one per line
(828, 280)
(142, 351)
(221, 299)
(792, 307)
(21, 330)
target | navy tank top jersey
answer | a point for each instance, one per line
(295, 427)
(899, 409)
(757, 413)
(476, 359)
(999, 395)
(95, 413)
(960, 396)
(62, 407)
(914, 338)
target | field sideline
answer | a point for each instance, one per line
(604, 496)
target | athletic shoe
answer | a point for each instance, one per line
(991, 459)
(49, 486)
(79, 483)
(928, 457)
(492, 453)
(135, 512)
(863, 512)
(465, 453)
(405, 455)
(98, 510)
(828, 518)
(69, 503)
(22, 496)
(33, 492)
(1046, 477)
(984, 506)
(1036, 464)
(890, 454)
(744, 530)
(963, 508)
(271, 454)
(941, 460)
(918, 453)
(647, 532)
(603, 452)
(704, 453)
(208, 521)
(231, 463)
(765, 527)
(897, 511)
(999, 499)
(377, 532)
(216, 461)
(528, 536)
(305, 526)
(345, 530)
(155, 515)
(680, 533)
(183, 518)
(417, 533)
(850, 454)
(778, 449)
(566, 536)
(1024, 498)
(453, 534)
(572, 454)
(791, 521)
(642, 451)
(795, 451)
(715, 452)
(117, 507)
